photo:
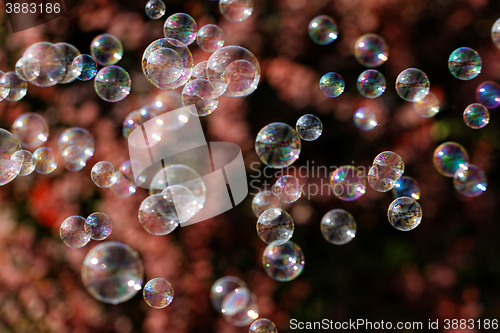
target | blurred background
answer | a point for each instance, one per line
(448, 267)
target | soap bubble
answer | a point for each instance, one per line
(476, 116)
(127, 168)
(136, 119)
(45, 160)
(387, 168)
(222, 287)
(406, 187)
(183, 202)
(275, 225)
(103, 174)
(404, 213)
(85, 67)
(112, 272)
(157, 216)
(236, 10)
(283, 262)
(240, 307)
(338, 227)
(277, 145)
(200, 93)
(323, 30)
(348, 183)
(371, 83)
(488, 94)
(309, 127)
(68, 54)
(428, 106)
(263, 201)
(73, 232)
(210, 38)
(495, 33)
(4, 86)
(27, 69)
(9, 168)
(469, 180)
(412, 85)
(112, 83)
(219, 84)
(158, 293)
(155, 9)
(26, 158)
(17, 87)
(365, 119)
(123, 187)
(288, 189)
(448, 157)
(263, 325)
(31, 130)
(371, 50)
(464, 63)
(167, 63)
(98, 226)
(76, 145)
(51, 59)
(332, 84)
(181, 27)
(106, 49)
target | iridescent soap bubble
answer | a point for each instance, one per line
(210, 38)
(323, 30)
(27, 69)
(428, 106)
(181, 27)
(200, 93)
(98, 226)
(283, 262)
(387, 168)
(348, 183)
(157, 216)
(263, 325)
(275, 225)
(469, 180)
(136, 119)
(219, 84)
(183, 202)
(236, 10)
(476, 116)
(31, 129)
(4, 86)
(263, 201)
(158, 293)
(309, 127)
(72, 232)
(26, 158)
(240, 307)
(488, 94)
(76, 145)
(448, 157)
(338, 227)
(103, 174)
(155, 9)
(69, 54)
(406, 187)
(51, 59)
(85, 67)
(112, 272)
(45, 160)
(9, 168)
(332, 84)
(17, 87)
(223, 287)
(371, 50)
(365, 119)
(277, 145)
(412, 85)
(495, 33)
(123, 187)
(404, 213)
(106, 49)
(371, 83)
(464, 63)
(112, 83)
(288, 189)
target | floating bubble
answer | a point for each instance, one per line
(136, 119)
(338, 227)
(488, 94)
(464, 63)
(31, 130)
(51, 58)
(127, 168)
(365, 119)
(181, 27)
(332, 84)
(406, 187)
(69, 54)
(371, 83)
(309, 127)
(74, 167)
(27, 69)
(72, 232)
(112, 83)
(76, 145)
(112, 272)
(4, 86)
(239, 307)
(169, 101)
(106, 49)
(387, 168)
(404, 213)
(26, 158)
(263, 201)
(223, 287)
(210, 38)
(155, 9)
(9, 168)
(263, 325)
(85, 67)
(158, 293)
(348, 183)
(371, 50)
(98, 226)
(277, 145)
(183, 202)
(236, 10)
(412, 85)
(495, 33)
(288, 189)
(275, 225)
(283, 262)
(428, 106)
(448, 157)
(476, 116)
(45, 160)
(323, 30)
(17, 87)
(157, 216)
(469, 180)
(103, 174)
(123, 187)
(200, 93)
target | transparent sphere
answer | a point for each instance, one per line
(158, 293)
(240, 307)
(488, 94)
(406, 187)
(210, 38)
(112, 272)
(31, 130)
(123, 187)
(464, 63)
(200, 93)
(387, 168)
(236, 10)
(4, 86)
(476, 116)
(263, 325)
(98, 226)
(283, 262)
(51, 58)
(28, 69)
(223, 287)
(365, 119)
(155, 9)
(428, 106)
(181, 27)
(495, 33)
(183, 202)
(348, 183)
(371, 83)
(323, 30)
(169, 101)
(136, 119)
(338, 227)
(288, 189)
(309, 127)
(263, 201)
(69, 54)
(157, 216)
(112, 83)
(76, 145)
(404, 213)
(219, 84)
(72, 232)
(26, 158)
(448, 157)
(17, 88)
(85, 67)
(126, 168)
(106, 49)
(277, 145)
(332, 84)
(371, 50)
(412, 85)
(74, 167)
(469, 180)
(103, 174)
(45, 160)
(275, 225)
(10, 168)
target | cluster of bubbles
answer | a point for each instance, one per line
(76, 231)
(386, 169)
(76, 145)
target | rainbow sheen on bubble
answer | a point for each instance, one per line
(448, 157)
(263, 201)
(17, 88)
(309, 127)
(72, 232)
(4, 86)
(275, 225)
(464, 63)
(181, 27)
(240, 307)
(200, 93)
(112, 83)
(263, 325)
(323, 30)
(470, 181)
(404, 213)
(488, 94)
(387, 168)
(412, 85)
(158, 293)
(85, 67)
(103, 174)
(371, 50)
(332, 84)
(406, 187)
(28, 69)
(210, 38)
(31, 129)
(278, 145)
(338, 227)
(155, 9)
(9, 168)
(428, 106)
(236, 10)
(371, 83)
(283, 262)
(26, 159)
(98, 226)
(45, 160)
(365, 119)
(106, 49)
(288, 189)
(476, 116)
(348, 183)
